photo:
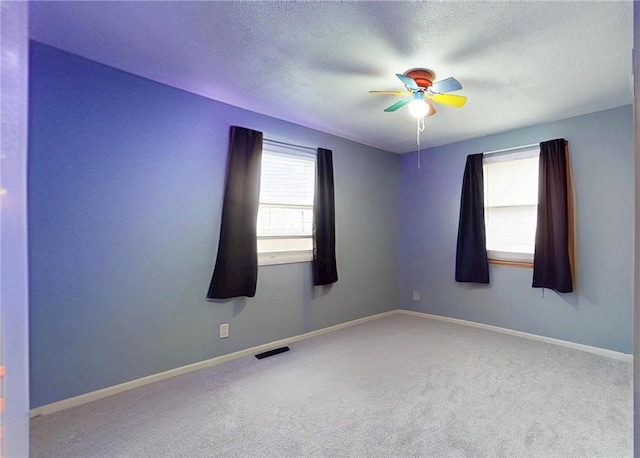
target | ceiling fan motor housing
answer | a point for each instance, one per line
(422, 76)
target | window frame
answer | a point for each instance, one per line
(268, 258)
(510, 258)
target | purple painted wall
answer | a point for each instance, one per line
(600, 312)
(126, 179)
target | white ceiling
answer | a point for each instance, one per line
(312, 63)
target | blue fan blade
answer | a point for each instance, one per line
(397, 105)
(409, 82)
(446, 85)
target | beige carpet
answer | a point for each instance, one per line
(397, 386)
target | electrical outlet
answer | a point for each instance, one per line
(224, 330)
(416, 295)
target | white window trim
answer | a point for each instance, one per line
(284, 257)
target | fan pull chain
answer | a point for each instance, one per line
(419, 128)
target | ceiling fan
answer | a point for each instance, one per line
(421, 90)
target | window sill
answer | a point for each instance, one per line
(512, 259)
(284, 257)
(522, 264)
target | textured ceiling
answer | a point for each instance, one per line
(520, 63)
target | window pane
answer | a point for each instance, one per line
(511, 182)
(511, 229)
(285, 213)
(511, 202)
(274, 220)
(287, 178)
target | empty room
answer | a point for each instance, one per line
(318, 229)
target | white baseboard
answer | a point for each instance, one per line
(563, 343)
(126, 386)
(103, 393)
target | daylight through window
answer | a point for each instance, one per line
(285, 213)
(511, 204)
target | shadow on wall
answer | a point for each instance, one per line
(239, 303)
(474, 286)
(311, 293)
(573, 299)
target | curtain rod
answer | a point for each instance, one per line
(506, 150)
(275, 142)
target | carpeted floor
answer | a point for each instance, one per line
(398, 386)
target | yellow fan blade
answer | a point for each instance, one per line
(390, 92)
(449, 99)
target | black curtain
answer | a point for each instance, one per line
(472, 264)
(551, 265)
(236, 270)
(324, 221)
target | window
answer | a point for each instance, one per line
(511, 205)
(285, 212)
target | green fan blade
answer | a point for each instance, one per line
(397, 105)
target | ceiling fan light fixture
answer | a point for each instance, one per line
(419, 108)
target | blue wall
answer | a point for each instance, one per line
(600, 312)
(126, 180)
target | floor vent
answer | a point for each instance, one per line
(275, 351)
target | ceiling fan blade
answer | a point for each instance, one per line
(390, 92)
(409, 82)
(397, 105)
(446, 85)
(449, 99)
